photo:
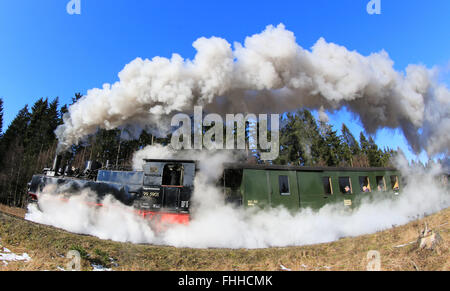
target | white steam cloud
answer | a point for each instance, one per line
(270, 72)
(113, 221)
(216, 225)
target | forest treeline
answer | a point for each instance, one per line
(304, 141)
(29, 144)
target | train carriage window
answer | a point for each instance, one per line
(327, 187)
(364, 184)
(231, 182)
(345, 185)
(381, 183)
(394, 183)
(283, 183)
(232, 178)
(173, 175)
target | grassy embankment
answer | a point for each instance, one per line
(48, 246)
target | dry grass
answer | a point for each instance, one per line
(19, 212)
(47, 246)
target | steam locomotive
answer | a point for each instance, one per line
(162, 191)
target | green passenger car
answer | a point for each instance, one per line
(306, 187)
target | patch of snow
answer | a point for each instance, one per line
(9, 256)
(283, 268)
(99, 268)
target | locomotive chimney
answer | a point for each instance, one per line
(88, 166)
(57, 163)
(68, 169)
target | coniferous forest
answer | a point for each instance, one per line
(28, 145)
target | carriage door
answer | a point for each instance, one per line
(172, 183)
(284, 186)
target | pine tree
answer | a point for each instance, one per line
(347, 157)
(289, 144)
(364, 144)
(350, 140)
(386, 157)
(16, 129)
(77, 97)
(1, 117)
(374, 154)
(312, 135)
(54, 115)
(300, 140)
(36, 133)
(331, 147)
(11, 157)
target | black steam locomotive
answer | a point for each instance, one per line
(161, 191)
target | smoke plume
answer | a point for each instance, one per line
(269, 73)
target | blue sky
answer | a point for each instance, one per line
(45, 52)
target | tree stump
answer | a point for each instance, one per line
(429, 239)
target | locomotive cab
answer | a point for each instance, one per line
(167, 187)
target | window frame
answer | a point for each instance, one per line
(384, 183)
(367, 179)
(330, 183)
(288, 185)
(349, 182)
(181, 182)
(396, 182)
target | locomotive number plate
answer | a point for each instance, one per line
(151, 194)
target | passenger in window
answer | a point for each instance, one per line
(347, 190)
(366, 189)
